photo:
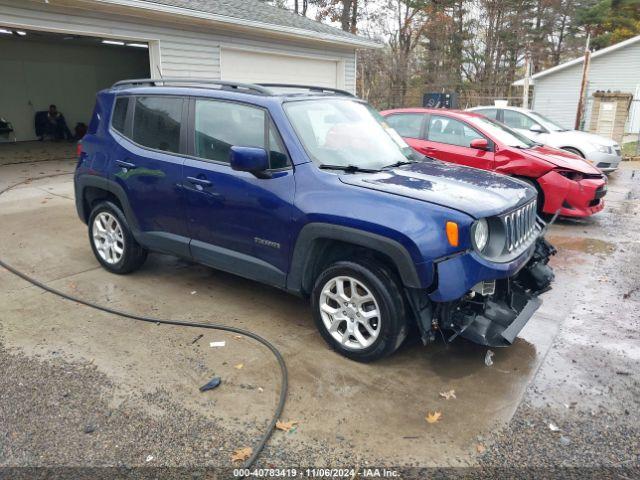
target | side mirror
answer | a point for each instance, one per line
(479, 144)
(250, 159)
(536, 128)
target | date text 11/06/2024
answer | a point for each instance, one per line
(316, 473)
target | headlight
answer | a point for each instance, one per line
(480, 234)
(571, 175)
(601, 148)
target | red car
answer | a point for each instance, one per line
(564, 181)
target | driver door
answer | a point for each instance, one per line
(449, 139)
(522, 123)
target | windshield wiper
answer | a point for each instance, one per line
(347, 168)
(400, 163)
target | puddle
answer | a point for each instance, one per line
(591, 246)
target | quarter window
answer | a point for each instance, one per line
(222, 125)
(450, 131)
(157, 122)
(119, 116)
(407, 125)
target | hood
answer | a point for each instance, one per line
(577, 137)
(475, 192)
(562, 159)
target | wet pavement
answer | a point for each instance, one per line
(137, 384)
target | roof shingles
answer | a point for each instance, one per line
(258, 11)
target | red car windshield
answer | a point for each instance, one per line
(501, 133)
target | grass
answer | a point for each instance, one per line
(630, 149)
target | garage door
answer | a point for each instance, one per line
(256, 67)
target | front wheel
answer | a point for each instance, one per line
(359, 310)
(575, 151)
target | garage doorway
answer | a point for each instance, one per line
(41, 68)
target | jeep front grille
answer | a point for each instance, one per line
(520, 226)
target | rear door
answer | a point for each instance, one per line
(411, 127)
(449, 139)
(147, 165)
(238, 223)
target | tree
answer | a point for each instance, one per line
(346, 12)
(610, 21)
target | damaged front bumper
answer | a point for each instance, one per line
(494, 312)
(496, 318)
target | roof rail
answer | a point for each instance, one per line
(311, 88)
(191, 82)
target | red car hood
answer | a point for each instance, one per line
(562, 159)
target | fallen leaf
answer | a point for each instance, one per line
(285, 426)
(237, 336)
(433, 417)
(448, 395)
(239, 366)
(480, 448)
(241, 454)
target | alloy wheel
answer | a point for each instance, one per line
(350, 312)
(108, 238)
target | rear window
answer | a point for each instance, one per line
(406, 124)
(488, 112)
(157, 123)
(119, 115)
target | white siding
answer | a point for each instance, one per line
(556, 94)
(185, 50)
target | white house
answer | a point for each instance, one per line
(615, 68)
(63, 51)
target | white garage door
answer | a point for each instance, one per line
(257, 67)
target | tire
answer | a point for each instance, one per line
(112, 241)
(575, 151)
(386, 330)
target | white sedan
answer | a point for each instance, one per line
(602, 152)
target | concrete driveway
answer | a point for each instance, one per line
(109, 391)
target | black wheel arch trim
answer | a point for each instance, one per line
(84, 181)
(303, 252)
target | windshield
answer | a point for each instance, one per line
(545, 122)
(347, 133)
(502, 133)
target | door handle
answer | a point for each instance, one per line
(199, 181)
(127, 165)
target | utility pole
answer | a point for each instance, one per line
(583, 84)
(527, 80)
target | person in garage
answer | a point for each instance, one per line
(57, 125)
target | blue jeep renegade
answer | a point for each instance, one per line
(308, 190)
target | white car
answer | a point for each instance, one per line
(602, 152)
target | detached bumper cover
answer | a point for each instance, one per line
(573, 198)
(496, 320)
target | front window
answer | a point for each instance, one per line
(451, 132)
(501, 133)
(547, 123)
(347, 133)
